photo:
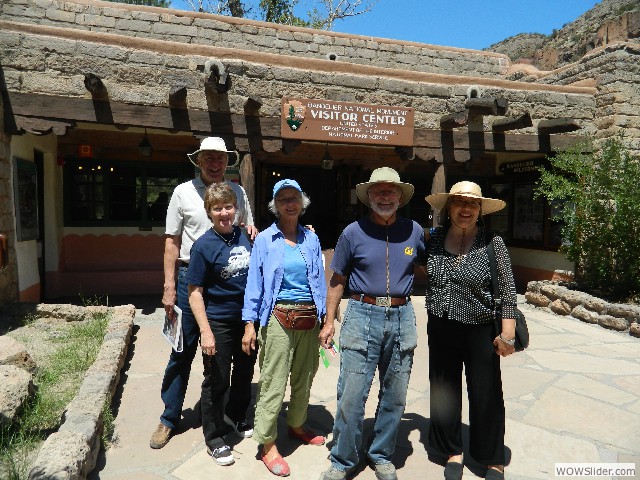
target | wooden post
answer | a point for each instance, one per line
(248, 181)
(439, 185)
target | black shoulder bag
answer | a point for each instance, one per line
(522, 332)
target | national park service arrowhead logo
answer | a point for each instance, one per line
(294, 112)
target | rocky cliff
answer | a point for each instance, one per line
(608, 22)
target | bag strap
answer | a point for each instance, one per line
(497, 298)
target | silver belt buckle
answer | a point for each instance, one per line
(383, 301)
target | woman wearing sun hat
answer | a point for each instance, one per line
(461, 329)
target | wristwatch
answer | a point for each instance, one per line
(511, 342)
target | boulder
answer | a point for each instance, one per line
(63, 456)
(534, 286)
(537, 299)
(634, 330)
(14, 353)
(614, 323)
(595, 304)
(552, 290)
(70, 313)
(630, 312)
(560, 307)
(584, 314)
(574, 297)
(16, 386)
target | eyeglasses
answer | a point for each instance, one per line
(459, 202)
(289, 199)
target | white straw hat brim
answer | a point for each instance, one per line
(489, 205)
(362, 190)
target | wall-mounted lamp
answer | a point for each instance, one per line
(145, 147)
(327, 161)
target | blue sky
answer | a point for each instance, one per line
(457, 23)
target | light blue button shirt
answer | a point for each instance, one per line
(266, 270)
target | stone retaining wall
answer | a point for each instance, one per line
(71, 452)
(585, 307)
(229, 32)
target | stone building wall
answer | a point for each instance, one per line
(8, 277)
(616, 71)
(140, 71)
(227, 32)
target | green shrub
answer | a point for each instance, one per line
(601, 193)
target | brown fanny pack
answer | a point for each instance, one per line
(296, 318)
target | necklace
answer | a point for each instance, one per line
(229, 241)
(461, 252)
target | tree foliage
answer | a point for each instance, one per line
(320, 14)
(601, 193)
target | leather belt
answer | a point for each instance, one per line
(184, 264)
(380, 301)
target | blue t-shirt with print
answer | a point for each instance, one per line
(221, 270)
(361, 254)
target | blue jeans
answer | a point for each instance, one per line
(176, 375)
(370, 337)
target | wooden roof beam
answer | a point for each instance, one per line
(178, 96)
(252, 104)
(558, 125)
(487, 106)
(93, 83)
(512, 123)
(454, 120)
(204, 123)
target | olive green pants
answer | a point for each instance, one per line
(284, 352)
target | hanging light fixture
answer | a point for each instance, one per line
(327, 161)
(145, 147)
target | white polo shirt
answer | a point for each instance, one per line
(187, 217)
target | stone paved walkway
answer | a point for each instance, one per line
(573, 396)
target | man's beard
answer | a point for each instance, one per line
(386, 211)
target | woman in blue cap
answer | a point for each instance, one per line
(286, 294)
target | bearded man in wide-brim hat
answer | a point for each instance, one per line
(377, 254)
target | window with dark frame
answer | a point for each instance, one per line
(527, 221)
(116, 193)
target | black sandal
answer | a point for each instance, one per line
(493, 474)
(453, 471)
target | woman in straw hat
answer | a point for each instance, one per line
(461, 329)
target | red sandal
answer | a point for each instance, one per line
(307, 436)
(277, 466)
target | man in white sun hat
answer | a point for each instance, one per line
(377, 254)
(186, 221)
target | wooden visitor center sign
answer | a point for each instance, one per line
(331, 121)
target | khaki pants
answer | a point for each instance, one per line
(283, 352)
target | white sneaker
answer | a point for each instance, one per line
(242, 428)
(221, 455)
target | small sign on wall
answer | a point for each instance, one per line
(84, 151)
(345, 122)
(25, 188)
